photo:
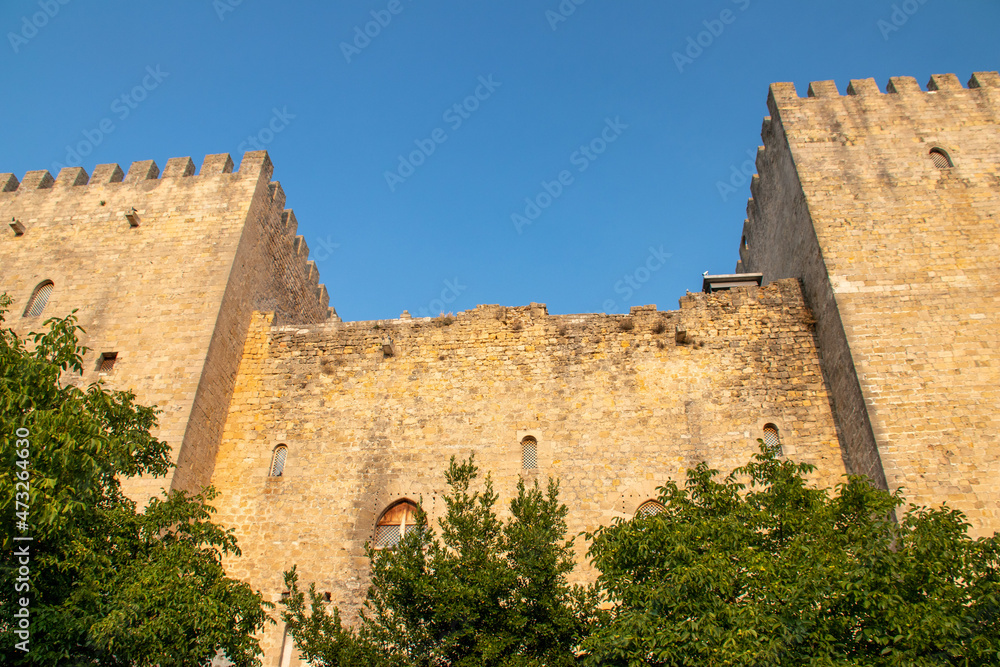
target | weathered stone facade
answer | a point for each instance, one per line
(172, 296)
(871, 345)
(616, 404)
(898, 257)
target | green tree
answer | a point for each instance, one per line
(108, 585)
(484, 592)
(760, 569)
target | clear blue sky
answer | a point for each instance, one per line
(228, 70)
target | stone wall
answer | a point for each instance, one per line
(883, 362)
(618, 405)
(779, 241)
(172, 296)
(899, 259)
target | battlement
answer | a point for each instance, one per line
(494, 335)
(784, 94)
(873, 127)
(681, 327)
(39, 202)
(254, 164)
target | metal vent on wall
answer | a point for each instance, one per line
(771, 438)
(107, 363)
(39, 299)
(278, 463)
(940, 159)
(398, 520)
(529, 454)
(386, 536)
(649, 508)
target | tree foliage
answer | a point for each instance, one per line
(108, 585)
(760, 569)
(482, 592)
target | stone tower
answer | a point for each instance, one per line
(887, 207)
(871, 347)
(165, 272)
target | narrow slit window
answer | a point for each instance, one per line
(649, 508)
(529, 453)
(106, 364)
(399, 520)
(941, 159)
(39, 298)
(771, 438)
(278, 460)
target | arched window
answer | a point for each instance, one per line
(398, 520)
(278, 460)
(649, 508)
(771, 438)
(529, 453)
(941, 159)
(40, 297)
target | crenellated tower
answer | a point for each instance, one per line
(887, 207)
(165, 271)
(880, 359)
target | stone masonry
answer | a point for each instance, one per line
(898, 256)
(871, 345)
(172, 296)
(618, 404)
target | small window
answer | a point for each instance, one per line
(399, 520)
(529, 453)
(278, 460)
(40, 297)
(649, 508)
(771, 438)
(106, 364)
(941, 159)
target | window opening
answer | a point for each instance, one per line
(38, 300)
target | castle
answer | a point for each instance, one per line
(867, 343)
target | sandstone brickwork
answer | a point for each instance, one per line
(618, 405)
(172, 296)
(898, 255)
(871, 346)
